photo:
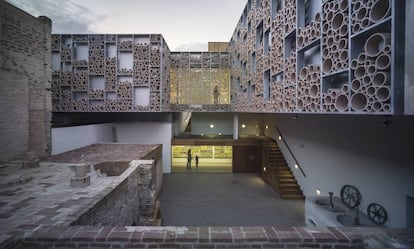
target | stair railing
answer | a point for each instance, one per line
(297, 165)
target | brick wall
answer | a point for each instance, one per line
(209, 237)
(131, 202)
(25, 77)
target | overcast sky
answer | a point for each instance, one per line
(185, 24)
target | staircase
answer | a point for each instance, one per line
(278, 174)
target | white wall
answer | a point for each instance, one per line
(338, 150)
(148, 133)
(70, 138)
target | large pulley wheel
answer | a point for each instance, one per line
(350, 196)
(377, 213)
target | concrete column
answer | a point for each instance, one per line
(235, 126)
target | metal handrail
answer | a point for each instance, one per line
(290, 151)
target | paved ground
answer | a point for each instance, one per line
(225, 200)
(43, 195)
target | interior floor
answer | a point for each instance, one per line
(225, 200)
(203, 167)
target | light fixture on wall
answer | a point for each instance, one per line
(280, 137)
(243, 126)
(267, 127)
(211, 126)
(296, 166)
(219, 133)
(318, 191)
(202, 134)
(264, 169)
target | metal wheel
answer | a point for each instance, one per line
(350, 196)
(377, 213)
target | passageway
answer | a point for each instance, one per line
(225, 200)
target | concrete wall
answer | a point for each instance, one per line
(70, 138)
(360, 151)
(25, 76)
(148, 133)
(223, 123)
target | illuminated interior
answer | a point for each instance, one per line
(200, 78)
(211, 158)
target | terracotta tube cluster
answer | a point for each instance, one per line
(276, 51)
(370, 85)
(335, 36)
(290, 16)
(96, 61)
(310, 33)
(309, 91)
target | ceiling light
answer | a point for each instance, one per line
(211, 126)
(318, 191)
(243, 126)
(219, 133)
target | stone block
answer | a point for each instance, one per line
(79, 182)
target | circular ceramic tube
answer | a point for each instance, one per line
(371, 70)
(345, 88)
(379, 10)
(343, 56)
(383, 62)
(361, 13)
(327, 65)
(343, 5)
(337, 21)
(303, 73)
(386, 107)
(376, 43)
(359, 72)
(366, 80)
(383, 93)
(328, 99)
(342, 43)
(356, 6)
(377, 106)
(365, 23)
(358, 101)
(341, 103)
(362, 57)
(380, 78)
(387, 49)
(344, 29)
(368, 108)
(370, 91)
(300, 105)
(354, 64)
(356, 27)
(314, 91)
(355, 85)
(334, 92)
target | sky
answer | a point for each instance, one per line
(187, 25)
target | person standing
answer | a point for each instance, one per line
(189, 159)
(196, 159)
(216, 95)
